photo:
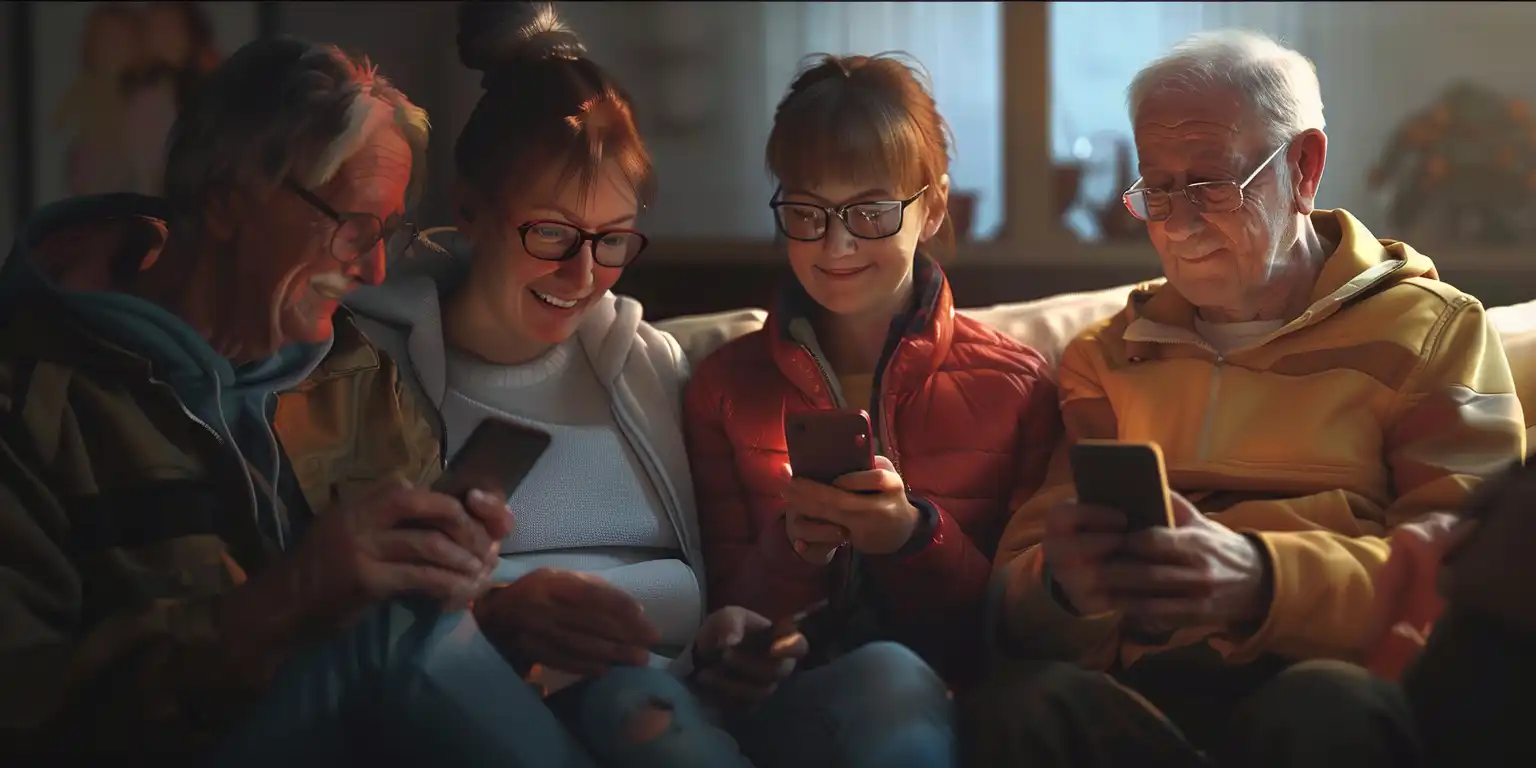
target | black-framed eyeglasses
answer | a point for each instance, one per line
(866, 220)
(357, 233)
(1205, 196)
(550, 240)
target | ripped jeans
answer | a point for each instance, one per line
(879, 705)
(409, 685)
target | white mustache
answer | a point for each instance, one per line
(331, 284)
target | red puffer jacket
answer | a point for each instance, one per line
(969, 418)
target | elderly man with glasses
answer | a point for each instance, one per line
(1311, 386)
(211, 484)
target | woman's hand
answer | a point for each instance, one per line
(872, 507)
(566, 620)
(731, 670)
(1407, 599)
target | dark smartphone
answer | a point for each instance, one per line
(497, 457)
(825, 445)
(1129, 477)
(760, 641)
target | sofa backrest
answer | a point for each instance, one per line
(1048, 324)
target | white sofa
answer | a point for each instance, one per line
(1048, 324)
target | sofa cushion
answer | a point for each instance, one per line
(701, 335)
(1044, 324)
(1048, 324)
(1516, 325)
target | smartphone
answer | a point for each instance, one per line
(827, 444)
(760, 641)
(1129, 477)
(497, 457)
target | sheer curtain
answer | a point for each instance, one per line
(959, 44)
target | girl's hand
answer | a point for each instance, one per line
(871, 506)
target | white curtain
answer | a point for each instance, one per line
(959, 44)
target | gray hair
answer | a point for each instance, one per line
(278, 109)
(1279, 84)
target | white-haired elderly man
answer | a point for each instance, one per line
(196, 498)
(1312, 387)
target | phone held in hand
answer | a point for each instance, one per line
(498, 456)
(760, 641)
(1130, 478)
(827, 444)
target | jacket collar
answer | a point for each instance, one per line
(1158, 315)
(916, 344)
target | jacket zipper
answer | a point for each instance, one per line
(658, 478)
(250, 487)
(1207, 421)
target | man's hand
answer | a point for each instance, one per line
(396, 540)
(1407, 595)
(733, 674)
(566, 620)
(1197, 573)
(872, 507)
(1079, 539)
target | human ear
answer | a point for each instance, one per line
(936, 207)
(1306, 158)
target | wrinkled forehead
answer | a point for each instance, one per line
(1208, 124)
(375, 178)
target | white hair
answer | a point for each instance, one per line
(281, 109)
(375, 105)
(1279, 84)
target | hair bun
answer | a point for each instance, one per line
(494, 35)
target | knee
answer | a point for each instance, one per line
(892, 669)
(1028, 692)
(635, 716)
(1321, 697)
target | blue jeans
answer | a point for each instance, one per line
(878, 706)
(408, 685)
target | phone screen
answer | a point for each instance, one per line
(1127, 477)
(825, 445)
(497, 457)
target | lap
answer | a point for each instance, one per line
(880, 704)
(406, 683)
(1053, 713)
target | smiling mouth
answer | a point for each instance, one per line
(844, 272)
(554, 301)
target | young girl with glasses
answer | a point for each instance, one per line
(964, 419)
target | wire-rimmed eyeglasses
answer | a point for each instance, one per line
(357, 233)
(1205, 196)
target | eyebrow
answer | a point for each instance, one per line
(567, 213)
